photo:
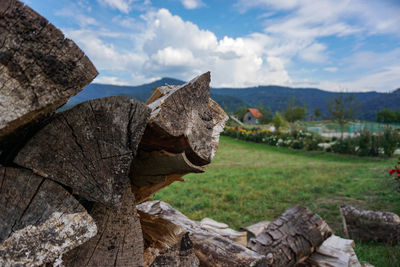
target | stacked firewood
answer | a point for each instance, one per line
(74, 185)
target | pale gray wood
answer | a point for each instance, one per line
(40, 69)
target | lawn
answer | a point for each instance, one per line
(248, 182)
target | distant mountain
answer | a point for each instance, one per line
(273, 97)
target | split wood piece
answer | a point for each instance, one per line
(211, 248)
(89, 148)
(224, 230)
(334, 252)
(39, 68)
(119, 241)
(166, 244)
(183, 121)
(367, 225)
(292, 238)
(255, 229)
(152, 171)
(39, 219)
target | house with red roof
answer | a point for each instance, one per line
(252, 116)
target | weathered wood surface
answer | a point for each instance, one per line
(367, 225)
(211, 248)
(152, 171)
(119, 241)
(334, 252)
(183, 120)
(292, 238)
(224, 230)
(40, 69)
(89, 148)
(254, 229)
(39, 220)
(166, 244)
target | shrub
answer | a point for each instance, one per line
(390, 141)
(344, 146)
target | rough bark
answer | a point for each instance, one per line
(184, 120)
(152, 171)
(211, 248)
(39, 220)
(166, 244)
(367, 225)
(40, 69)
(119, 241)
(255, 229)
(334, 252)
(292, 238)
(89, 148)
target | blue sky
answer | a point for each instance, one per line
(337, 45)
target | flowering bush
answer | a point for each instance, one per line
(363, 144)
(296, 139)
(396, 170)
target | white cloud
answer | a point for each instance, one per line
(122, 5)
(109, 80)
(331, 69)
(314, 53)
(170, 56)
(192, 4)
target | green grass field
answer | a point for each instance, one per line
(248, 182)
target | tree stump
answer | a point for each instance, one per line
(367, 225)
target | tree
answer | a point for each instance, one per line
(317, 112)
(278, 121)
(240, 112)
(387, 116)
(342, 108)
(294, 113)
(266, 118)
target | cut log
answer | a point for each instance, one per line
(152, 171)
(367, 225)
(292, 238)
(334, 252)
(39, 220)
(166, 244)
(211, 248)
(39, 68)
(119, 241)
(184, 120)
(89, 148)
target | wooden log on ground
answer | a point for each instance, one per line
(211, 248)
(39, 219)
(39, 68)
(367, 225)
(166, 244)
(89, 148)
(184, 120)
(224, 230)
(334, 252)
(119, 241)
(292, 238)
(152, 171)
